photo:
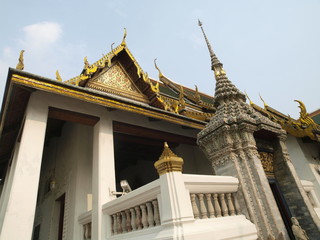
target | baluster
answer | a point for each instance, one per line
(194, 206)
(236, 204)
(210, 206)
(85, 230)
(115, 227)
(138, 218)
(150, 214)
(223, 205)
(203, 209)
(230, 205)
(144, 215)
(112, 225)
(156, 212)
(123, 222)
(128, 220)
(133, 219)
(119, 223)
(89, 230)
(216, 205)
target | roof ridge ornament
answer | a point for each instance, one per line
(264, 103)
(156, 66)
(112, 49)
(58, 77)
(20, 65)
(86, 62)
(123, 43)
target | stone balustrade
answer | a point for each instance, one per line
(212, 196)
(134, 211)
(211, 205)
(139, 217)
(153, 210)
(85, 220)
(87, 231)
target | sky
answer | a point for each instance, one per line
(268, 48)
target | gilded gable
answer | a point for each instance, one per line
(115, 80)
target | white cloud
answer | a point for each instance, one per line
(41, 34)
(45, 51)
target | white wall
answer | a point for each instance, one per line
(73, 173)
(302, 156)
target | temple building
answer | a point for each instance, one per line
(114, 154)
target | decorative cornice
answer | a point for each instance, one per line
(168, 162)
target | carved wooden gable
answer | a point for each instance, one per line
(115, 80)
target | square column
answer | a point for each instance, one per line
(21, 204)
(103, 175)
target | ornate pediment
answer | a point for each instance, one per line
(114, 79)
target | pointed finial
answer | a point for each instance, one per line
(303, 109)
(124, 37)
(58, 77)
(86, 63)
(214, 60)
(112, 50)
(264, 103)
(197, 97)
(248, 97)
(155, 65)
(20, 65)
(168, 162)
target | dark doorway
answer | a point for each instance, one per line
(61, 201)
(282, 206)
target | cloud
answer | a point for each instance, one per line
(42, 33)
(45, 51)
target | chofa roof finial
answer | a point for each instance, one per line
(20, 65)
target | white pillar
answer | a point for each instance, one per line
(103, 175)
(175, 199)
(7, 184)
(21, 205)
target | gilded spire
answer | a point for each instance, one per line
(214, 60)
(225, 89)
(20, 65)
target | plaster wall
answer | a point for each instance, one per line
(67, 159)
(305, 158)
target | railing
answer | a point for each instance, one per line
(211, 205)
(212, 197)
(87, 231)
(135, 211)
(85, 221)
(143, 216)
(161, 208)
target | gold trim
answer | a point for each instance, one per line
(168, 162)
(302, 127)
(49, 87)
